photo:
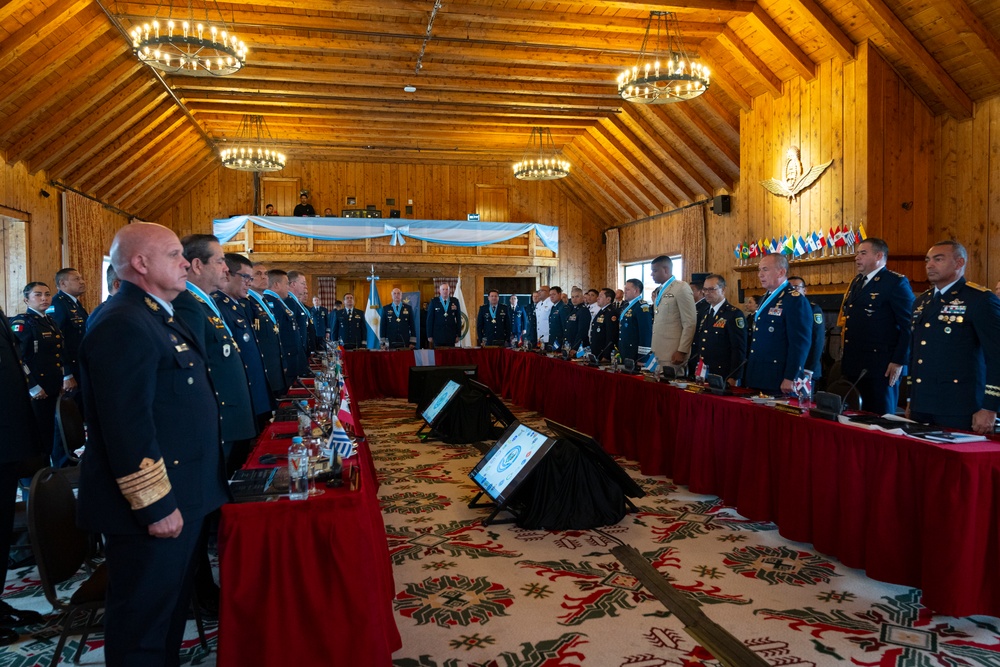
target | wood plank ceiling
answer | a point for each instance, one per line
(328, 75)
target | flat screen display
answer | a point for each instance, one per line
(440, 401)
(510, 461)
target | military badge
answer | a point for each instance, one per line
(818, 318)
(740, 323)
(152, 305)
(226, 350)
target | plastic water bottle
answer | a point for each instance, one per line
(298, 470)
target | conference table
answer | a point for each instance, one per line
(307, 582)
(907, 511)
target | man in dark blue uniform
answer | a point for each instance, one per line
(530, 337)
(701, 304)
(721, 342)
(298, 293)
(875, 319)
(577, 321)
(232, 304)
(152, 469)
(782, 333)
(604, 327)
(274, 298)
(114, 284)
(319, 317)
(348, 325)
(518, 319)
(69, 314)
(814, 362)
(558, 316)
(43, 351)
(635, 324)
(955, 361)
(494, 321)
(444, 319)
(265, 327)
(19, 435)
(398, 325)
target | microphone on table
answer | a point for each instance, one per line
(736, 370)
(719, 385)
(830, 406)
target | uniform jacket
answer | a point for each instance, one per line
(18, 431)
(530, 325)
(401, 330)
(444, 326)
(814, 362)
(269, 341)
(780, 342)
(604, 332)
(235, 315)
(577, 326)
(320, 317)
(489, 329)
(348, 325)
(701, 308)
(519, 321)
(304, 325)
(295, 361)
(42, 350)
(675, 321)
(558, 315)
(229, 378)
(635, 331)
(722, 339)
(153, 423)
(955, 362)
(71, 318)
(876, 321)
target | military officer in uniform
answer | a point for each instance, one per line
(298, 292)
(701, 305)
(274, 298)
(43, 351)
(875, 317)
(69, 314)
(114, 284)
(782, 332)
(348, 325)
(557, 319)
(265, 325)
(398, 325)
(721, 342)
(814, 362)
(955, 359)
(603, 333)
(518, 318)
(232, 303)
(577, 321)
(152, 469)
(675, 318)
(542, 308)
(635, 324)
(320, 315)
(530, 337)
(444, 319)
(494, 321)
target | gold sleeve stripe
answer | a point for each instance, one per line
(143, 488)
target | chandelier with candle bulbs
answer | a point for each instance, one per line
(541, 161)
(181, 43)
(253, 149)
(664, 72)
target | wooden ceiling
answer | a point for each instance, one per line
(328, 75)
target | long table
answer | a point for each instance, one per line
(906, 511)
(307, 582)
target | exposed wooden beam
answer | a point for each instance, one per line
(162, 188)
(633, 143)
(828, 29)
(54, 58)
(37, 29)
(654, 201)
(750, 61)
(140, 130)
(772, 32)
(730, 152)
(944, 88)
(214, 114)
(686, 173)
(586, 200)
(976, 36)
(157, 207)
(144, 155)
(732, 122)
(122, 163)
(719, 173)
(730, 86)
(166, 163)
(601, 179)
(586, 183)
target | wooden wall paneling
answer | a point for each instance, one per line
(991, 275)
(90, 228)
(21, 191)
(977, 232)
(876, 143)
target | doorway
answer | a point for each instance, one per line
(13, 262)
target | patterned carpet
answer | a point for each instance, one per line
(500, 596)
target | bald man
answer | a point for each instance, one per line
(152, 469)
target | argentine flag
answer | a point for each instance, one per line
(373, 314)
(340, 442)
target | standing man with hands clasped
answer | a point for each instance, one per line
(675, 318)
(152, 469)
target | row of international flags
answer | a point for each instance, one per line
(842, 237)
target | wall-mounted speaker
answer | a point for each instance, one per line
(721, 204)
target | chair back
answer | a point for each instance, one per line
(69, 423)
(59, 546)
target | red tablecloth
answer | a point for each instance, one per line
(906, 511)
(307, 583)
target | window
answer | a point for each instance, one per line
(104, 280)
(643, 270)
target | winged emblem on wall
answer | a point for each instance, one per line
(795, 178)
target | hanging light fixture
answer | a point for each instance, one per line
(181, 43)
(663, 72)
(541, 161)
(253, 149)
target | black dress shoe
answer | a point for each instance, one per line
(13, 618)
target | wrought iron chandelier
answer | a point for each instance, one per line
(664, 72)
(541, 160)
(253, 148)
(189, 45)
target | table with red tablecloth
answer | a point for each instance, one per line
(307, 582)
(906, 511)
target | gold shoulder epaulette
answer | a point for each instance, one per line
(978, 287)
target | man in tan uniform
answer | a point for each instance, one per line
(675, 319)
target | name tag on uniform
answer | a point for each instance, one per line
(774, 311)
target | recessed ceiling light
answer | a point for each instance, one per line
(409, 89)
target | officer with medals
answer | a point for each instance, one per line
(298, 292)
(635, 324)
(265, 328)
(814, 362)
(955, 358)
(444, 319)
(557, 319)
(398, 325)
(42, 350)
(577, 321)
(295, 363)
(493, 323)
(152, 469)
(721, 342)
(603, 333)
(320, 315)
(69, 314)
(875, 317)
(782, 332)
(195, 307)
(349, 325)
(232, 304)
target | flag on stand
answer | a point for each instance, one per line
(799, 249)
(373, 314)
(701, 371)
(340, 442)
(745, 252)
(753, 249)
(773, 248)
(344, 411)
(737, 251)
(839, 239)
(862, 235)
(467, 338)
(788, 245)
(652, 365)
